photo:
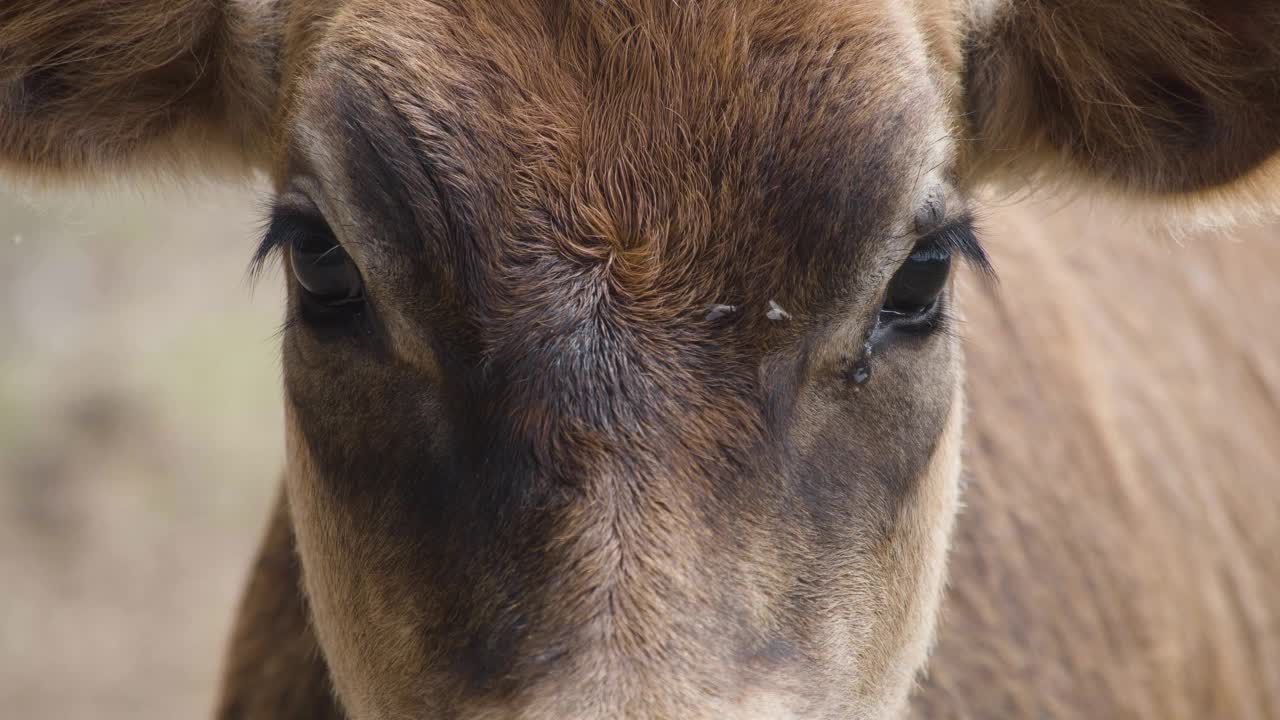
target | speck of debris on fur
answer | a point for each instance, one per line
(715, 312)
(776, 313)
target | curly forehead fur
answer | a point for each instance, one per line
(646, 136)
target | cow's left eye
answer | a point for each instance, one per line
(324, 270)
(914, 290)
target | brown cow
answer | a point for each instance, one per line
(622, 366)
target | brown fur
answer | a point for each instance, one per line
(275, 669)
(99, 87)
(1119, 562)
(572, 231)
(1163, 96)
(1115, 557)
(532, 480)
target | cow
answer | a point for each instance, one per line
(623, 368)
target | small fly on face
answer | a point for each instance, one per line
(776, 313)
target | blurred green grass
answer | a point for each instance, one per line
(140, 441)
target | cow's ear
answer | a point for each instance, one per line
(89, 87)
(1153, 96)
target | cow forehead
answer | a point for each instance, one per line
(753, 143)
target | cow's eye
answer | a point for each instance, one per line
(324, 270)
(914, 290)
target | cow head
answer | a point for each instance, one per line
(621, 364)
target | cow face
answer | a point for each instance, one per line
(621, 372)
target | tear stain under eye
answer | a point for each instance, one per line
(859, 373)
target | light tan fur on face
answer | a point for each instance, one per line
(915, 569)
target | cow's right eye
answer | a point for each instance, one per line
(324, 271)
(914, 291)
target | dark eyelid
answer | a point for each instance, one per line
(960, 237)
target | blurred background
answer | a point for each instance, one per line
(140, 441)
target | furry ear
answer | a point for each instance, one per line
(88, 86)
(1152, 96)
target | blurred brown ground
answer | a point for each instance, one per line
(140, 437)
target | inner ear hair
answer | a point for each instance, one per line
(1155, 97)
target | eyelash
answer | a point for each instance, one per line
(960, 238)
(280, 229)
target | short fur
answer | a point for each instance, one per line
(91, 88)
(1148, 96)
(1115, 556)
(535, 478)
